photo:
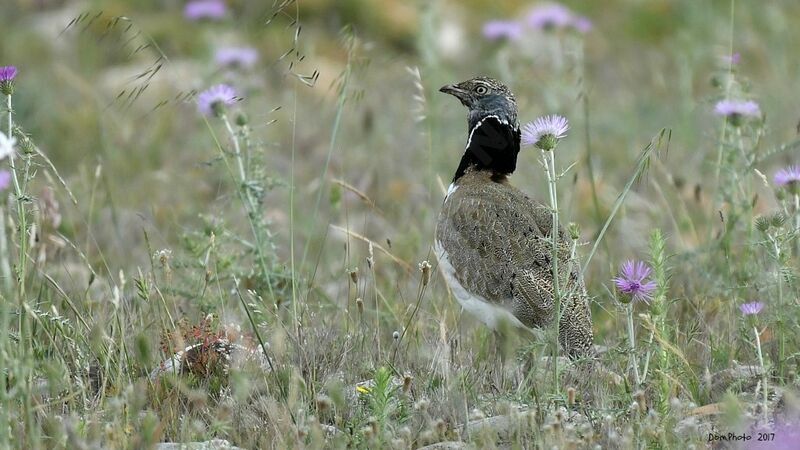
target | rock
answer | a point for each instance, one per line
(497, 428)
(214, 444)
(447, 445)
(739, 376)
(694, 426)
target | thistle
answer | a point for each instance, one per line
(545, 132)
(502, 29)
(7, 75)
(212, 101)
(205, 9)
(631, 281)
(244, 57)
(736, 111)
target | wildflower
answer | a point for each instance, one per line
(205, 9)
(6, 145)
(631, 281)
(502, 29)
(788, 177)
(7, 75)
(545, 132)
(751, 309)
(582, 24)
(733, 59)
(214, 99)
(736, 110)
(5, 180)
(550, 16)
(236, 56)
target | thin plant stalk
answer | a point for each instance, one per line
(632, 345)
(249, 202)
(550, 165)
(20, 195)
(764, 389)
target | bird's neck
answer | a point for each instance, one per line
(492, 145)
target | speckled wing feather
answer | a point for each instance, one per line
(498, 243)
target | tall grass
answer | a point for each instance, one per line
(265, 277)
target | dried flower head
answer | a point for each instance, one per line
(205, 9)
(737, 110)
(425, 268)
(7, 75)
(545, 132)
(502, 29)
(213, 100)
(244, 57)
(6, 145)
(751, 309)
(570, 396)
(631, 281)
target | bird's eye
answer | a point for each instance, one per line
(480, 90)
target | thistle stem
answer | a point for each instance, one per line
(250, 204)
(550, 164)
(764, 390)
(632, 346)
(23, 226)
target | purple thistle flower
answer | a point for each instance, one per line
(545, 132)
(205, 9)
(733, 59)
(582, 24)
(212, 100)
(502, 29)
(631, 281)
(737, 108)
(5, 180)
(788, 176)
(550, 16)
(236, 56)
(7, 75)
(750, 309)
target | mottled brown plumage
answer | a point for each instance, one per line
(494, 242)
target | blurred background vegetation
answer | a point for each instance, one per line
(106, 90)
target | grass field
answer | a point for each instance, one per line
(263, 272)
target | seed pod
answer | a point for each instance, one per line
(425, 268)
(571, 396)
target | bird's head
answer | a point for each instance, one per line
(484, 96)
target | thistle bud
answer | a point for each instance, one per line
(241, 119)
(762, 224)
(354, 275)
(778, 219)
(574, 231)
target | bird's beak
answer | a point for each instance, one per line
(452, 89)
